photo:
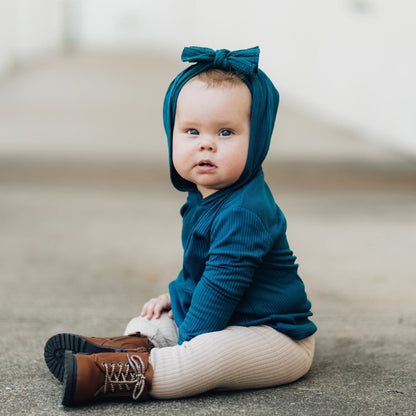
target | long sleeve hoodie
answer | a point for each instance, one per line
(238, 268)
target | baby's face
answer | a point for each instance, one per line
(211, 134)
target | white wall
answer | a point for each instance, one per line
(349, 62)
(29, 29)
(352, 63)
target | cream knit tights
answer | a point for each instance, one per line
(234, 358)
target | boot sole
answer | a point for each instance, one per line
(56, 346)
(70, 378)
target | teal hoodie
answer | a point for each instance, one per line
(238, 268)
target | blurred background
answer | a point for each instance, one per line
(89, 222)
(81, 91)
(83, 160)
(349, 63)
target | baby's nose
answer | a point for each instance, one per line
(208, 146)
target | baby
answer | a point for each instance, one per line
(237, 315)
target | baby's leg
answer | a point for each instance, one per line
(235, 358)
(161, 332)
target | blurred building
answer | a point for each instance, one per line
(349, 62)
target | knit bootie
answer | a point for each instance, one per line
(56, 346)
(106, 376)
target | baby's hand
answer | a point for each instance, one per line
(155, 306)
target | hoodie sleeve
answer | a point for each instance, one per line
(239, 240)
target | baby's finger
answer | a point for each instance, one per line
(145, 309)
(148, 307)
(158, 310)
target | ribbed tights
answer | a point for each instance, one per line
(231, 359)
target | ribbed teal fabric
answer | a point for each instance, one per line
(238, 268)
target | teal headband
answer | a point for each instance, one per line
(264, 95)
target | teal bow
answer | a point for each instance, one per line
(244, 61)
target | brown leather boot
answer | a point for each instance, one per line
(106, 376)
(56, 346)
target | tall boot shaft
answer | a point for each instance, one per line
(106, 376)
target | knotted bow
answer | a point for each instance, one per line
(244, 61)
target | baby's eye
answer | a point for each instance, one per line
(193, 132)
(226, 132)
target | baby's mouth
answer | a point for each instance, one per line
(206, 163)
(205, 166)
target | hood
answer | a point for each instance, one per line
(265, 101)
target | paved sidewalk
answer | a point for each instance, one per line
(89, 229)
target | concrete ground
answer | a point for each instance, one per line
(89, 230)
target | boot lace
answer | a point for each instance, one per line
(132, 378)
